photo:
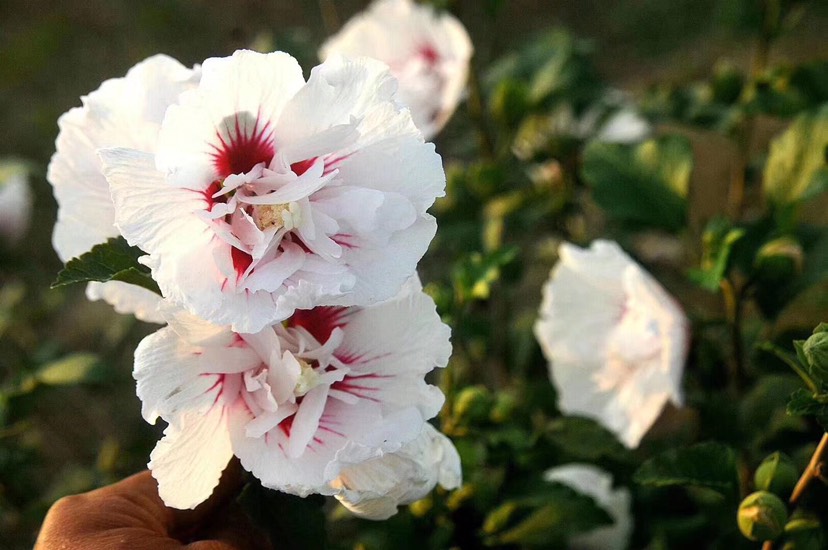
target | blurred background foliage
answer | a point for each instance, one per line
(724, 204)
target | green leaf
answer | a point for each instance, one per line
(805, 403)
(475, 274)
(560, 513)
(796, 169)
(641, 185)
(113, 260)
(72, 369)
(709, 464)
(584, 438)
(717, 246)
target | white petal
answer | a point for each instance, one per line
(127, 298)
(251, 85)
(189, 459)
(372, 483)
(306, 421)
(593, 482)
(615, 340)
(123, 112)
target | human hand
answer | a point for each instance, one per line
(130, 514)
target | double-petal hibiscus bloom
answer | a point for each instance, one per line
(268, 194)
(615, 340)
(283, 220)
(427, 51)
(332, 402)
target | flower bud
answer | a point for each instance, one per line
(779, 259)
(815, 350)
(762, 516)
(472, 404)
(776, 474)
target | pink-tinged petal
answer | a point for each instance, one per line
(373, 483)
(427, 51)
(595, 483)
(226, 125)
(188, 461)
(269, 276)
(128, 299)
(167, 391)
(306, 421)
(615, 340)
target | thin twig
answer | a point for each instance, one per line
(811, 471)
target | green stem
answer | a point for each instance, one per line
(789, 360)
(733, 311)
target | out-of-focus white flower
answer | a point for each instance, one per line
(268, 194)
(372, 483)
(615, 340)
(624, 126)
(15, 202)
(595, 483)
(296, 402)
(428, 52)
(123, 112)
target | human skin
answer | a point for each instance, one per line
(130, 514)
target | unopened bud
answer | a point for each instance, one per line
(762, 516)
(776, 474)
(472, 404)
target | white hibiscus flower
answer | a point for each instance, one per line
(615, 340)
(372, 483)
(428, 52)
(123, 112)
(295, 402)
(15, 201)
(268, 194)
(596, 483)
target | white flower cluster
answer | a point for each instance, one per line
(283, 221)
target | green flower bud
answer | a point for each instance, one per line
(816, 350)
(472, 404)
(779, 259)
(762, 516)
(776, 474)
(505, 404)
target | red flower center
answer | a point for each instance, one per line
(244, 142)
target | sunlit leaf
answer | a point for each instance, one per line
(796, 169)
(642, 185)
(72, 369)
